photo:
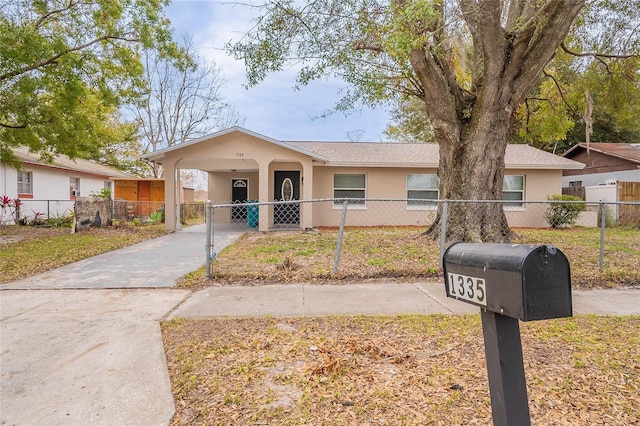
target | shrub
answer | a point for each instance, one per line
(564, 210)
(157, 217)
(103, 193)
(61, 220)
(13, 205)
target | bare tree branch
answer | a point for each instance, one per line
(561, 92)
(595, 54)
(13, 126)
(52, 60)
(46, 16)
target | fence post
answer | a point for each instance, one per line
(208, 245)
(603, 222)
(443, 231)
(343, 219)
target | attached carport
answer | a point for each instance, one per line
(268, 169)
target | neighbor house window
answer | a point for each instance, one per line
(422, 190)
(25, 183)
(350, 186)
(74, 187)
(513, 190)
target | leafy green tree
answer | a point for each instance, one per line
(66, 65)
(409, 122)
(551, 117)
(410, 47)
(120, 146)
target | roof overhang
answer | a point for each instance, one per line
(158, 156)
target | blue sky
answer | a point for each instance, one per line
(273, 107)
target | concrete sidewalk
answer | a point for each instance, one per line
(369, 299)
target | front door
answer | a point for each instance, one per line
(287, 188)
(239, 194)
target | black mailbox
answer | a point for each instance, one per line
(527, 282)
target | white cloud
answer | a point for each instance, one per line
(273, 107)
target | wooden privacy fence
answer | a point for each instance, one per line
(629, 214)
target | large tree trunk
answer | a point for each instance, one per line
(473, 127)
(473, 169)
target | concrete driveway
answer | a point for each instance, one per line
(81, 345)
(150, 264)
(84, 357)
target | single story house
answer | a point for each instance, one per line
(244, 165)
(604, 162)
(51, 188)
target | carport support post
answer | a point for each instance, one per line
(507, 384)
(208, 245)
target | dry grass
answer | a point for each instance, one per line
(407, 254)
(411, 370)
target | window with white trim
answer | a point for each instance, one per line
(422, 189)
(350, 186)
(513, 191)
(25, 183)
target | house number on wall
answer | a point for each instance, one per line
(239, 154)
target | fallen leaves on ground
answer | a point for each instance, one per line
(412, 370)
(405, 254)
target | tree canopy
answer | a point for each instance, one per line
(471, 63)
(67, 65)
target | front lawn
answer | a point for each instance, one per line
(406, 254)
(404, 370)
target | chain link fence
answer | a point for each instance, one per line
(540, 222)
(39, 212)
(153, 211)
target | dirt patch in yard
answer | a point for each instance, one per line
(395, 370)
(15, 234)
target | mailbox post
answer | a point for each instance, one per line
(509, 282)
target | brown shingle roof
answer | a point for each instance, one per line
(423, 155)
(65, 163)
(627, 151)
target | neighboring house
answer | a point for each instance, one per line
(144, 196)
(611, 174)
(51, 188)
(244, 165)
(604, 162)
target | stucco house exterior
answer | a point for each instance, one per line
(244, 165)
(51, 188)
